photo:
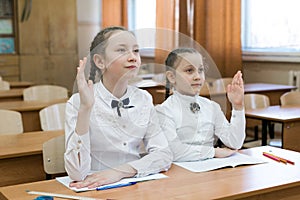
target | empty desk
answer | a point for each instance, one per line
(21, 158)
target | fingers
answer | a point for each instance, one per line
(237, 79)
(81, 68)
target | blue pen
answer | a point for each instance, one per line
(115, 186)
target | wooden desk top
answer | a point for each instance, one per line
(23, 144)
(276, 113)
(11, 93)
(28, 105)
(20, 84)
(264, 87)
(227, 183)
(250, 88)
(148, 84)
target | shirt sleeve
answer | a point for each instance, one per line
(232, 133)
(181, 151)
(77, 154)
(159, 156)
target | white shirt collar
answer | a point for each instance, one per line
(185, 98)
(107, 96)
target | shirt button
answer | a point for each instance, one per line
(78, 147)
(124, 126)
(79, 141)
(124, 143)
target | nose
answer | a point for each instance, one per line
(197, 76)
(132, 57)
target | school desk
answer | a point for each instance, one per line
(266, 181)
(30, 111)
(288, 116)
(11, 95)
(20, 84)
(273, 91)
(21, 156)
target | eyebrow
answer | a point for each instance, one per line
(124, 45)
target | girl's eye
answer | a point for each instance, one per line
(189, 70)
(136, 50)
(121, 50)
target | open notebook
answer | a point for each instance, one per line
(217, 163)
(66, 181)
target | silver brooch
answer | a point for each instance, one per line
(194, 107)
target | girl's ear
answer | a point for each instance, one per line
(170, 76)
(99, 61)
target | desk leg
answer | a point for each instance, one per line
(264, 132)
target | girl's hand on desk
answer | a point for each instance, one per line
(235, 91)
(105, 177)
(85, 88)
(223, 152)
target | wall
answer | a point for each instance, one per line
(257, 66)
(89, 22)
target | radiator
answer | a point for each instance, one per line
(284, 77)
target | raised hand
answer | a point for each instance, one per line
(235, 91)
(85, 88)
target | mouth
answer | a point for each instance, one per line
(196, 85)
(131, 67)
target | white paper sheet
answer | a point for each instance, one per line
(217, 163)
(66, 181)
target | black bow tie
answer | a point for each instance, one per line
(120, 104)
(194, 107)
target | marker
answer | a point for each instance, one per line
(115, 186)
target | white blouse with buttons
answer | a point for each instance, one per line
(191, 135)
(113, 140)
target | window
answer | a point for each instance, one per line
(142, 20)
(271, 30)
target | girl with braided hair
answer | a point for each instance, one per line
(107, 121)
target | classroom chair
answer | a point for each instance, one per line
(219, 85)
(4, 85)
(257, 101)
(11, 122)
(53, 117)
(290, 98)
(45, 93)
(53, 156)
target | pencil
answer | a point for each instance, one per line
(277, 158)
(271, 156)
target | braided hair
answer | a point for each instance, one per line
(98, 46)
(170, 64)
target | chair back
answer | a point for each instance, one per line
(11, 122)
(205, 89)
(53, 117)
(290, 98)
(255, 101)
(4, 85)
(219, 85)
(53, 155)
(45, 93)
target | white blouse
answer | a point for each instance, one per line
(191, 135)
(113, 140)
